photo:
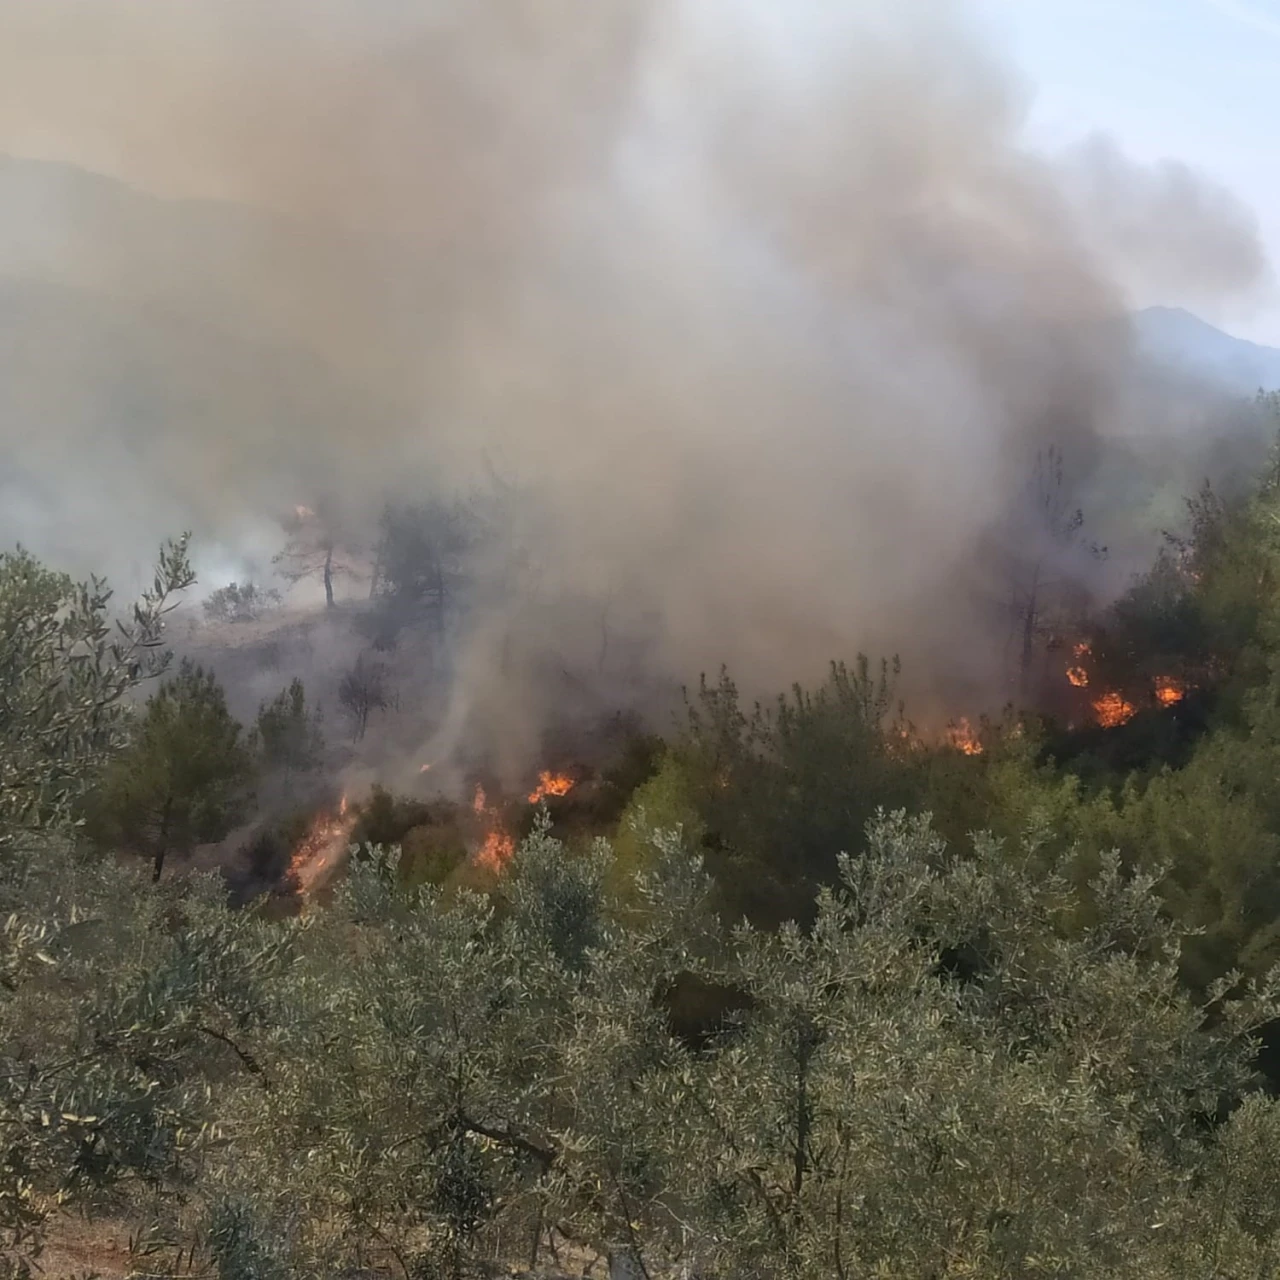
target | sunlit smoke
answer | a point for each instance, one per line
(763, 311)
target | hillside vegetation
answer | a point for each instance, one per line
(803, 991)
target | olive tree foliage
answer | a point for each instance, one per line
(478, 1063)
(124, 1017)
(120, 1010)
(953, 1073)
(66, 667)
(958, 1070)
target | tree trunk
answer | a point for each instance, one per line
(328, 577)
(1029, 621)
(162, 840)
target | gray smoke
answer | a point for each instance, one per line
(766, 306)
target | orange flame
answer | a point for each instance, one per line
(325, 840)
(498, 849)
(499, 845)
(550, 784)
(961, 736)
(1169, 690)
(1077, 674)
(1112, 710)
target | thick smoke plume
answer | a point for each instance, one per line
(765, 307)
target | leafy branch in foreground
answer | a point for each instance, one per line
(65, 670)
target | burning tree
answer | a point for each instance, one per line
(314, 538)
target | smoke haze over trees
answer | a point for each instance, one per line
(514, 362)
(766, 317)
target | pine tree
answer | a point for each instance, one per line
(288, 734)
(183, 776)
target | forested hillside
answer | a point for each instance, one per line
(798, 989)
(717, 714)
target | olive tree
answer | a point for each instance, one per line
(66, 666)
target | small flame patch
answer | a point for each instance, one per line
(550, 784)
(1076, 674)
(961, 736)
(1113, 710)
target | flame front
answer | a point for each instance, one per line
(498, 849)
(1169, 690)
(316, 852)
(1112, 710)
(550, 784)
(961, 736)
(499, 846)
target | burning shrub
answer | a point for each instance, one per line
(264, 861)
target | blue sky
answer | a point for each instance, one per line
(1196, 80)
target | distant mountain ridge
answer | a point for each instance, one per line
(1175, 338)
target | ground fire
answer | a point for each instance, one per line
(499, 844)
(318, 851)
(961, 736)
(1113, 710)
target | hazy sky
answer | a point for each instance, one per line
(1196, 80)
